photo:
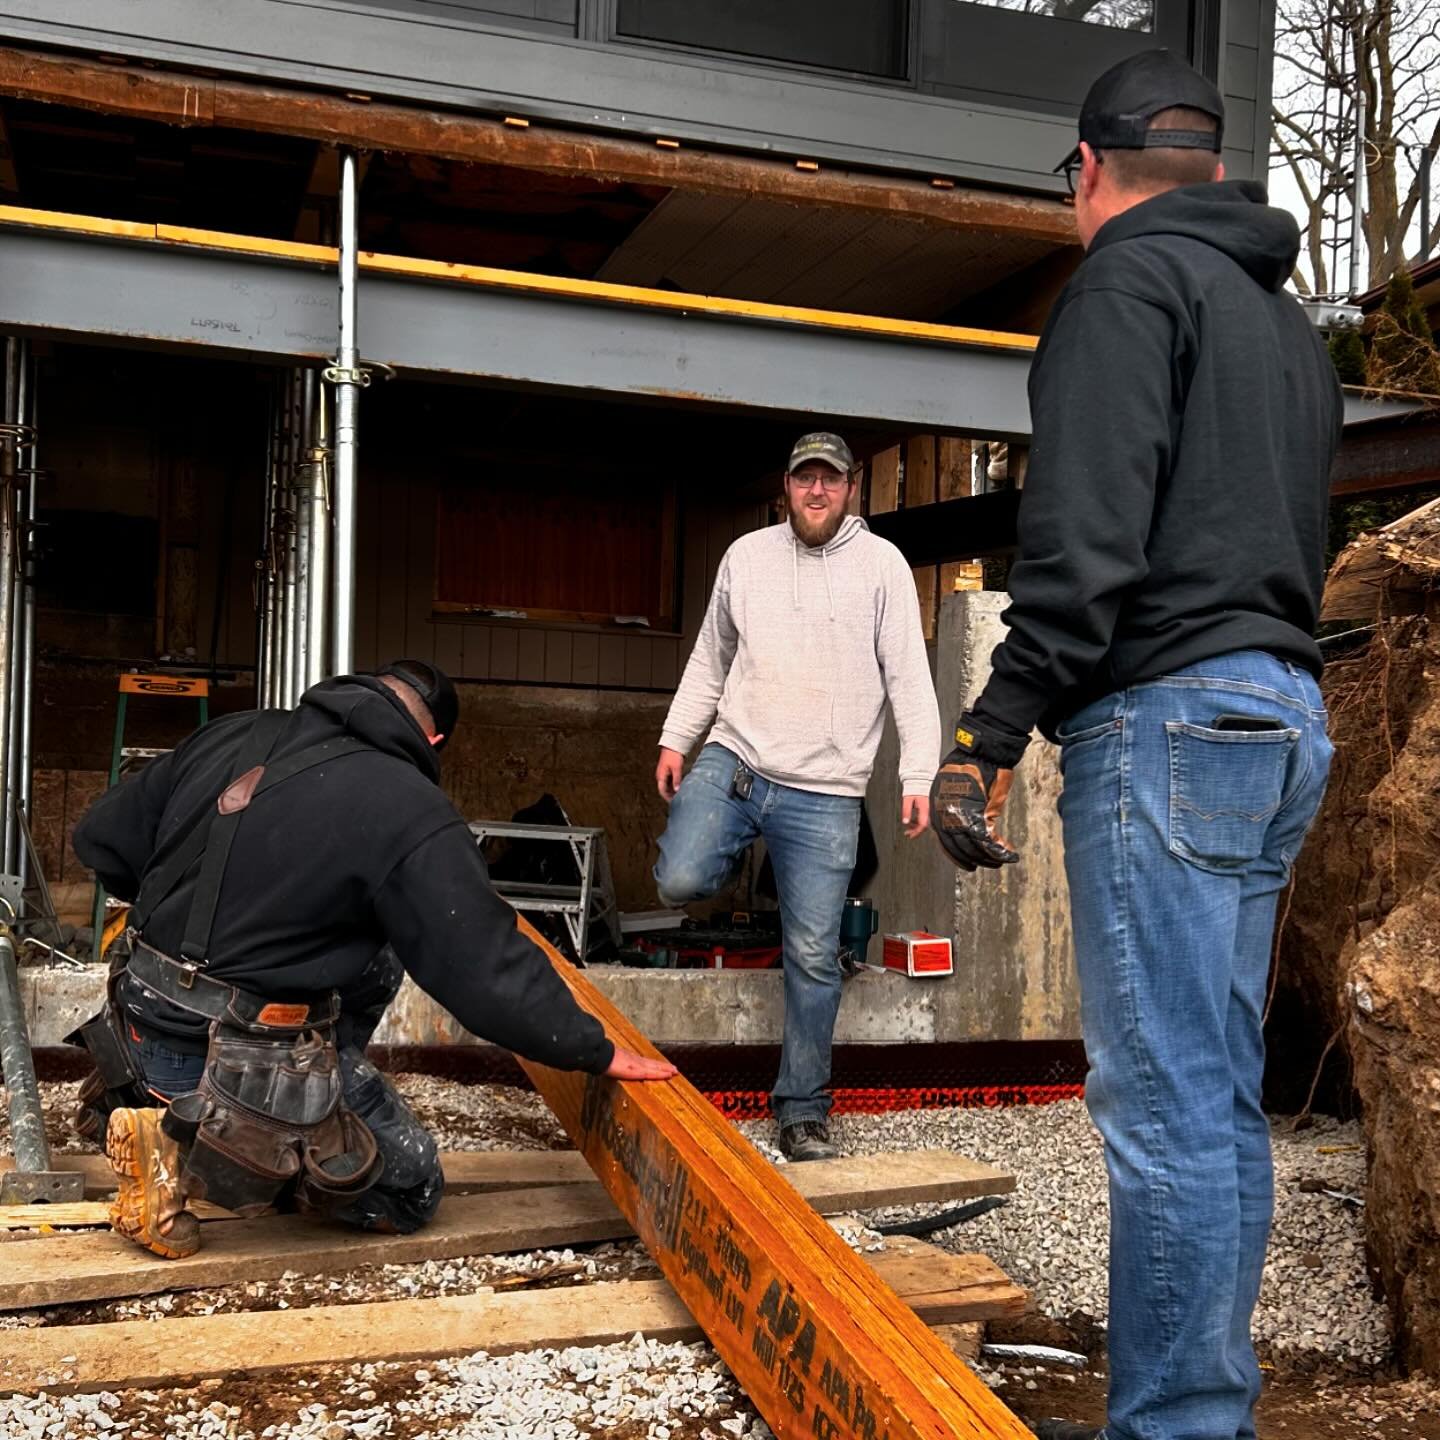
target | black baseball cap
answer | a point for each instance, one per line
(1122, 101)
(821, 445)
(434, 687)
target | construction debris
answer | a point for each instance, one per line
(1360, 962)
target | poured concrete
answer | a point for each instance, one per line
(1014, 958)
(672, 1007)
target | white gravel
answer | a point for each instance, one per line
(1316, 1309)
(1052, 1235)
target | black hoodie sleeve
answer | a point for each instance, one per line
(1102, 401)
(116, 835)
(459, 941)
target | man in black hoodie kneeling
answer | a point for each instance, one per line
(287, 868)
(1172, 535)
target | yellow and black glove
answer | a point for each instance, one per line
(967, 796)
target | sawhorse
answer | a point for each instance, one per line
(169, 687)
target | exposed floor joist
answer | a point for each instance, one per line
(940, 1288)
(820, 1345)
(184, 99)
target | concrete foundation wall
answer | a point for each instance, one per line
(1014, 961)
(671, 1007)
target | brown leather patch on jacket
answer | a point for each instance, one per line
(236, 796)
(285, 1016)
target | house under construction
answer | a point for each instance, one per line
(475, 330)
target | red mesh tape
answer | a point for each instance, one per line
(755, 1104)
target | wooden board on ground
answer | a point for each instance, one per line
(824, 1350)
(82, 1215)
(69, 1268)
(899, 1177)
(954, 1290)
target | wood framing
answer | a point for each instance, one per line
(823, 1348)
(938, 1287)
(97, 1266)
(182, 99)
(851, 1182)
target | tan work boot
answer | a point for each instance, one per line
(149, 1208)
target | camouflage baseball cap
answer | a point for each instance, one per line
(823, 446)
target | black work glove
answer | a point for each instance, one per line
(966, 797)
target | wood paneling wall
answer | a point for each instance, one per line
(395, 615)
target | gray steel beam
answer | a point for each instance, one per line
(232, 303)
(86, 287)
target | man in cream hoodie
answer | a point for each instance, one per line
(813, 624)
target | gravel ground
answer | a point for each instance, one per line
(1324, 1337)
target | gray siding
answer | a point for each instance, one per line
(525, 56)
(1246, 59)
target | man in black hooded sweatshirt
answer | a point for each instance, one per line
(287, 868)
(1172, 533)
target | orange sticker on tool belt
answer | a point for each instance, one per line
(286, 1015)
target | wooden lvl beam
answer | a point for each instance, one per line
(940, 1288)
(822, 1347)
(183, 99)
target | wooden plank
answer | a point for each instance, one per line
(851, 1182)
(885, 481)
(953, 463)
(156, 1353)
(184, 99)
(821, 1347)
(83, 1215)
(91, 1266)
(101, 1266)
(927, 581)
(920, 470)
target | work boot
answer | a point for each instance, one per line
(1067, 1430)
(807, 1140)
(149, 1208)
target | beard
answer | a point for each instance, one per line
(814, 533)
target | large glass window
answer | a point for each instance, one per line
(1116, 14)
(868, 37)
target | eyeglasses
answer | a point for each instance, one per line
(830, 483)
(1071, 169)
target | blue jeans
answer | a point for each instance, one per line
(812, 840)
(1178, 839)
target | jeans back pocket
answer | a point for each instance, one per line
(1225, 788)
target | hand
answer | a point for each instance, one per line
(966, 799)
(668, 772)
(627, 1065)
(915, 814)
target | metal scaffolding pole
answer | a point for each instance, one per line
(348, 381)
(15, 678)
(30, 473)
(264, 590)
(10, 436)
(303, 483)
(285, 567)
(320, 534)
